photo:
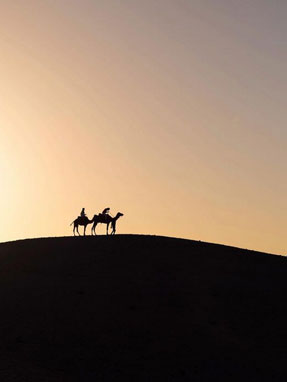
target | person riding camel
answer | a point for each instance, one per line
(83, 214)
(105, 213)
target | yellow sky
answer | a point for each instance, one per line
(172, 112)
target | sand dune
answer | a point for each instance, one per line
(140, 308)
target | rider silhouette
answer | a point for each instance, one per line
(83, 214)
(105, 213)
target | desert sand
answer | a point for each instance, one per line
(140, 308)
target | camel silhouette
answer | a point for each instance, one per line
(81, 220)
(106, 219)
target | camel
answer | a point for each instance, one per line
(106, 219)
(81, 221)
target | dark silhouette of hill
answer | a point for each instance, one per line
(140, 308)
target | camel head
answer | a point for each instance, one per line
(119, 214)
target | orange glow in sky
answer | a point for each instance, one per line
(172, 112)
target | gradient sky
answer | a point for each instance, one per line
(170, 111)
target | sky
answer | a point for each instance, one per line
(171, 112)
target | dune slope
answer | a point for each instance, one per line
(140, 308)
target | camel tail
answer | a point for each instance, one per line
(72, 222)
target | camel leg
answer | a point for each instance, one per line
(85, 230)
(108, 228)
(78, 231)
(94, 228)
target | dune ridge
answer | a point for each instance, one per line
(144, 308)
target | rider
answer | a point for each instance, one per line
(83, 214)
(105, 213)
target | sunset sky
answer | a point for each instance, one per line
(170, 111)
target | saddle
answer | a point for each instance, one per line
(104, 217)
(82, 219)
